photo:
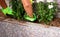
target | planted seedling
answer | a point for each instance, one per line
(18, 9)
(51, 8)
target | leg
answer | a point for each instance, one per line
(28, 7)
(3, 4)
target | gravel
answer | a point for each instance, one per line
(29, 30)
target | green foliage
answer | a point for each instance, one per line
(43, 12)
(18, 9)
(50, 11)
(40, 11)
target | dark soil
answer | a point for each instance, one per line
(55, 22)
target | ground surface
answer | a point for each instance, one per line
(13, 28)
(27, 29)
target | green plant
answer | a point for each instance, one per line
(43, 12)
(40, 11)
(18, 9)
(51, 8)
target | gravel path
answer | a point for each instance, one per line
(29, 30)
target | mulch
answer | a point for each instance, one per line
(55, 22)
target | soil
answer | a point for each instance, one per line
(1, 14)
(55, 22)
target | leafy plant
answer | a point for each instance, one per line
(18, 9)
(51, 8)
(43, 12)
(40, 11)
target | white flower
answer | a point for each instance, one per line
(50, 6)
(50, 0)
(39, 0)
